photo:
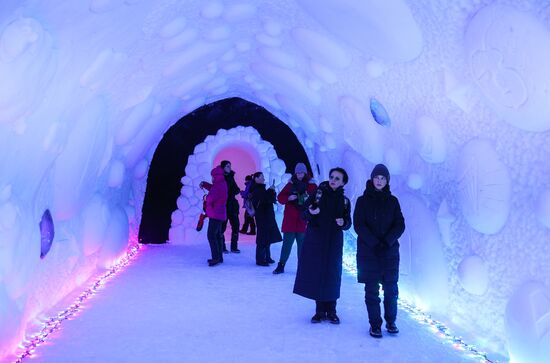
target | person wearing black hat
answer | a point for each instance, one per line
(378, 221)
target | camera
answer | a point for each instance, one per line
(318, 196)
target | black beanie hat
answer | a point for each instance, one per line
(380, 169)
(224, 163)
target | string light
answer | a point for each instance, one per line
(443, 332)
(350, 265)
(54, 323)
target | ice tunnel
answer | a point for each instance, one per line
(112, 110)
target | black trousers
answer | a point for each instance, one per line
(328, 307)
(372, 300)
(215, 238)
(234, 222)
(248, 221)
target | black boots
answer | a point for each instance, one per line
(214, 261)
(330, 317)
(280, 268)
(318, 317)
(375, 332)
(333, 318)
(392, 328)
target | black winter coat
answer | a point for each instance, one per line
(232, 190)
(319, 273)
(378, 221)
(267, 231)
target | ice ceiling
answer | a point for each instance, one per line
(87, 89)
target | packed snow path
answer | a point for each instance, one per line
(169, 306)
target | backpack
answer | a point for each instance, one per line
(249, 206)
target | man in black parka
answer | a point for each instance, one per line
(378, 221)
(232, 206)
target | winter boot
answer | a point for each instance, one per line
(333, 318)
(318, 317)
(214, 262)
(375, 332)
(280, 268)
(392, 328)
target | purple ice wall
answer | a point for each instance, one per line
(462, 119)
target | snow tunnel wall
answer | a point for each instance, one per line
(453, 97)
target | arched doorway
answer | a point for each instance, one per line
(171, 156)
(247, 152)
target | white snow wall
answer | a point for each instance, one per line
(87, 89)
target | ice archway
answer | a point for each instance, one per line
(177, 146)
(88, 88)
(198, 167)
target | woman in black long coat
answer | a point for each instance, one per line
(319, 273)
(267, 231)
(378, 221)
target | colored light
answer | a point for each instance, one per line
(54, 323)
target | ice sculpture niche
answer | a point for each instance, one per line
(379, 113)
(46, 233)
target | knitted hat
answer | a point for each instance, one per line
(380, 169)
(300, 168)
(224, 163)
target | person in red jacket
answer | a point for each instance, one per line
(293, 196)
(217, 214)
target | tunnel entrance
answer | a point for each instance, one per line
(178, 143)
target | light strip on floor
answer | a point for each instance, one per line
(54, 323)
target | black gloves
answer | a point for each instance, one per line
(381, 246)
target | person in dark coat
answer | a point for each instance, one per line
(248, 219)
(319, 271)
(267, 231)
(293, 196)
(378, 221)
(232, 207)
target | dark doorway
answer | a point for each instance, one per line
(170, 158)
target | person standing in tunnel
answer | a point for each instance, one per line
(232, 207)
(248, 219)
(378, 221)
(319, 273)
(267, 231)
(293, 196)
(216, 211)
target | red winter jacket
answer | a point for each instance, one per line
(292, 219)
(217, 196)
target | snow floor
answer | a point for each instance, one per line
(169, 306)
